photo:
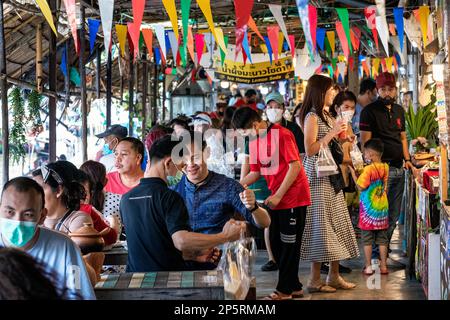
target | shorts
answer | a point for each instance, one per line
(379, 237)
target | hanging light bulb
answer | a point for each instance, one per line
(224, 84)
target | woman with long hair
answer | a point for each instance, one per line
(329, 235)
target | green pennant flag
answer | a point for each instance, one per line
(141, 42)
(185, 8)
(328, 47)
(343, 16)
(334, 62)
(330, 70)
(222, 54)
(183, 55)
(75, 76)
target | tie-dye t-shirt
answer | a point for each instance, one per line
(373, 202)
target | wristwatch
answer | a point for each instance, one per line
(255, 208)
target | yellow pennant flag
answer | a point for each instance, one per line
(121, 31)
(332, 40)
(264, 48)
(220, 39)
(190, 43)
(424, 12)
(43, 5)
(280, 41)
(375, 66)
(172, 12)
(341, 58)
(205, 6)
(389, 63)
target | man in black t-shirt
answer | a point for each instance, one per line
(159, 236)
(384, 119)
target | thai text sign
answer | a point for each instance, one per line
(257, 72)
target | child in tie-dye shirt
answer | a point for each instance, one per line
(373, 203)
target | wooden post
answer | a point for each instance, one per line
(108, 89)
(82, 67)
(52, 87)
(4, 93)
(39, 79)
(99, 69)
(130, 96)
(144, 92)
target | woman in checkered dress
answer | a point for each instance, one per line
(328, 235)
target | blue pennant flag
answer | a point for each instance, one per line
(168, 47)
(398, 17)
(320, 38)
(64, 62)
(93, 29)
(399, 60)
(246, 46)
(157, 55)
(269, 48)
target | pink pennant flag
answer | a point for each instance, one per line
(72, 17)
(134, 28)
(343, 38)
(199, 46)
(312, 13)
(134, 33)
(292, 42)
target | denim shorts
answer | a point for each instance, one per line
(379, 237)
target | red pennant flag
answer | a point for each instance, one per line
(138, 13)
(341, 33)
(383, 65)
(244, 55)
(199, 46)
(130, 44)
(351, 63)
(133, 33)
(148, 38)
(243, 10)
(355, 37)
(292, 42)
(365, 68)
(273, 34)
(312, 13)
(375, 37)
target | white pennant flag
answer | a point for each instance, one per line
(383, 32)
(106, 14)
(209, 42)
(304, 67)
(173, 44)
(160, 35)
(396, 44)
(341, 66)
(276, 11)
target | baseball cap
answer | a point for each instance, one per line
(201, 119)
(275, 96)
(62, 171)
(386, 79)
(115, 129)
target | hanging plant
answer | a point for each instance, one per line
(34, 116)
(18, 130)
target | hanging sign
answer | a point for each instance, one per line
(257, 72)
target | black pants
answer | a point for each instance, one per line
(285, 233)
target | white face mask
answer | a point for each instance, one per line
(347, 115)
(274, 115)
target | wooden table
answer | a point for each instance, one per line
(185, 285)
(116, 256)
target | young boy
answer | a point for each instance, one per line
(373, 203)
(274, 155)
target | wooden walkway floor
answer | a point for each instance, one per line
(395, 286)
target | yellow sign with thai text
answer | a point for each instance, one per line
(257, 72)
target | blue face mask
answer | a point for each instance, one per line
(173, 180)
(18, 233)
(106, 149)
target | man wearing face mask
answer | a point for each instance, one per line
(385, 120)
(112, 137)
(159, 235)
(275, 109)
(22, 214)
(367, 94)
(220, 107)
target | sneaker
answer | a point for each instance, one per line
(270, 266)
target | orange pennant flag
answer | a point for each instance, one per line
(392, 29)
(395, 64)
(121, 31)
(148, 38)
(190, 44)
(251, 23)
(365, 68)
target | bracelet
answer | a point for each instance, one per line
(406, 160)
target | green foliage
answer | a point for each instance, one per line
(34, 116)
(18, 130)
(422, 124)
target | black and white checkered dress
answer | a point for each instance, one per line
(329, 234)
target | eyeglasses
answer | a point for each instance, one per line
(46, 172)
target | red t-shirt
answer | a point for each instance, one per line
(115, 184)
(99, 224)
(241, 103)
(272, 159)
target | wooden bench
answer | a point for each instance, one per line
(185, 285)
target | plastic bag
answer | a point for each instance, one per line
(326, 166)
(237, 264)
(357, 158)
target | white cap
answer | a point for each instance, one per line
(201, 119)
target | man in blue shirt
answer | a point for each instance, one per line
(211, 198)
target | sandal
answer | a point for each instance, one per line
(298, 294)
(276, 296)
(320, 288)
(384, 271)
(340, 283)
(367, 273)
